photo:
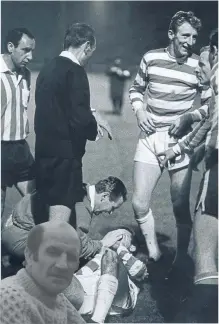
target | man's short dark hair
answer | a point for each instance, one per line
(213, 39)
(181, 17)
(78, 34)
(14, 36)
(114, 186)
(35, 238)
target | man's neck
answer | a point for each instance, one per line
(9, 62)
(179, 59)
(76, 52)
(35, 290)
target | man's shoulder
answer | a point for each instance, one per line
(66, 62)
(155, 54)
(84, 205)
(11, 290)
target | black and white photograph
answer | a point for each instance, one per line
(109, 162)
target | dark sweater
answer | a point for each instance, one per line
(63, 119)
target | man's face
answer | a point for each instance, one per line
(23, 53)
(183, 40)
(58, 259)
(106, 205)
(213, 56)
(203, 70)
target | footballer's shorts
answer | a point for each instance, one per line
(89, 280)
(149, 146)
(59, 181)
(207, 198)
(17, 163)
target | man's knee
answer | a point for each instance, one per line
(109, 263)
(140, 207)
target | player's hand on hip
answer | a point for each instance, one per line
(181, 126)
(164, 157)
(145, 122)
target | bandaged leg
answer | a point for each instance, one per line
(147, 226)
(106, 291)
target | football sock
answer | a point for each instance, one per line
(147, 227)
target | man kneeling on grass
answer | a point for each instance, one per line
(109, 280)
(105, 196)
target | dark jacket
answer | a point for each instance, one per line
(63, 119)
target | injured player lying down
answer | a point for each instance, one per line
(109, 280)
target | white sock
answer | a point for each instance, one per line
(107, 288)
(147, 227)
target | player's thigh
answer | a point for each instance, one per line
(145, 178)
(180, 180)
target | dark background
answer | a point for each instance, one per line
(124, 28)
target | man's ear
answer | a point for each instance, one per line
(171, 34)
(87, 47)
(10, 47)
(215, 51)
(104, 196)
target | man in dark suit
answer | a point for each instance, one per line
(64, 122)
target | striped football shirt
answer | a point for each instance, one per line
(169, 88)
(207, 128)
(212, 136)
(15, 92)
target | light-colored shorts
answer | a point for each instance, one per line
(150, 145)
(89, 281)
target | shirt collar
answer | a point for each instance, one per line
(70, 56)
(3, 66)
(91, 191)
(214, 69)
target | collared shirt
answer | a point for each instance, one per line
(70, 55)
(15, 93)
(169, 88)
(91, 191)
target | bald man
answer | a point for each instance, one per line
(35, 294)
